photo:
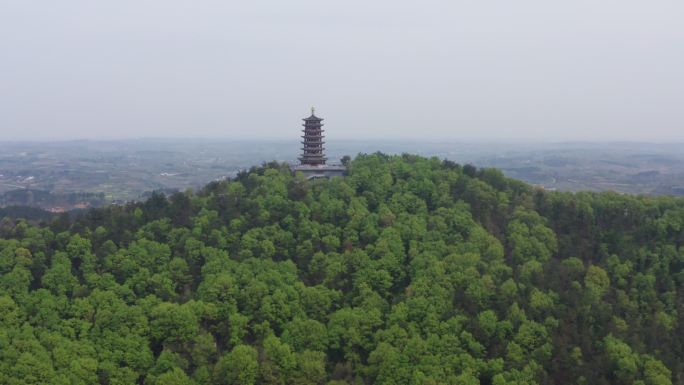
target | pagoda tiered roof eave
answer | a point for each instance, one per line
(313, 118)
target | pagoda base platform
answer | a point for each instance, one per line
(322, 171)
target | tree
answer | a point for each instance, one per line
(176, 376)
(239, 367)
(173, 323)
(596, 281)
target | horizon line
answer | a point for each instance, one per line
(352, 140)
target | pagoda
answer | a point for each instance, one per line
(312, 161)
(312, 150)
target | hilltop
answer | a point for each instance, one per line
(411, 270)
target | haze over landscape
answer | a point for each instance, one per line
(489, 193)
(528, 70)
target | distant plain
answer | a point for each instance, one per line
(77, 174)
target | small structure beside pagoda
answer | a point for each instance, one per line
(312, 161)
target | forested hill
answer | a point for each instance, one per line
(408, 271)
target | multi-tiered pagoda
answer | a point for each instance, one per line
(312, 150)
(312, 161)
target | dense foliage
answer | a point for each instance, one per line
(408, 271)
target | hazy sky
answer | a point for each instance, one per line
(447, 70)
